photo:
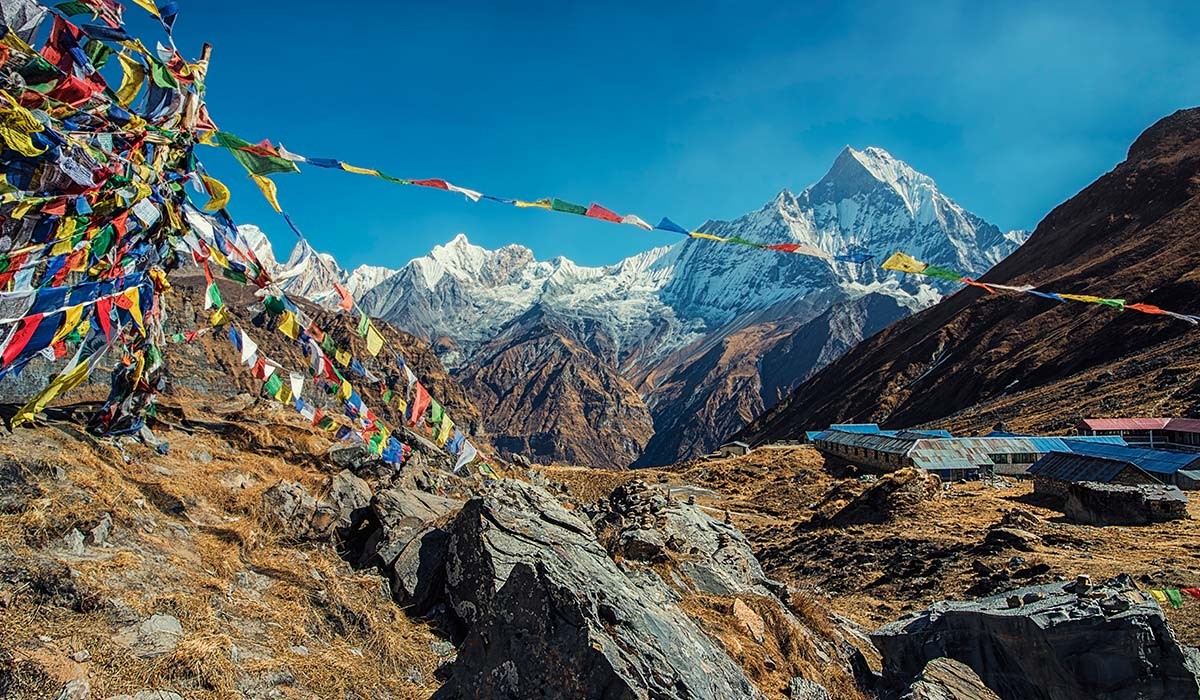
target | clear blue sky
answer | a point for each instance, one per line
(691, 110)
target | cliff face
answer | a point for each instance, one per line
(1130, 234)
(545, 395)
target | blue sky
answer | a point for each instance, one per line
(690, 110)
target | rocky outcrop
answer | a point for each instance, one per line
(888, 496)
(947, 679)
(289, 508)
(551, 615)
(1114, 504)
(1050, 642)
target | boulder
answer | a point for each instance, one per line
(401, 514)
(897, 492)
(290, 508)
(550, 615)
(360, 461)
(801, 689)
(1102, 643)
(947, 679)
(154, 637)
(999, 538)
(351, 496)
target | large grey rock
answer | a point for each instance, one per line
(552, 616)
(351, 496)
(360, 461)
(715, 556)
(409, 546)
(290, 508)
(1110, 643)
(947, 679)
(401, 514)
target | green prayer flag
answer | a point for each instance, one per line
(1115, 303)
(325, 423)
(377, 442)
(103, 240)
(161, 75)
(273, 385)
(73, 8)
(743, 241)
(259, 165)
(387, 396)
(364, 324)
(98, 53)
(273, 305)
(214, 296)
(942, 273)
(1175, 597)
(436, 412)
(235, 275)
(178, 338)
(328, 346)
(560, 205)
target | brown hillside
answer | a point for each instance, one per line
(1130, 234)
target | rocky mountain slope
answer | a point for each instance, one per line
(649, 318)
(975, 359)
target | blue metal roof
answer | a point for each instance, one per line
(1064, 466)
(855, 427)
(1155, 461)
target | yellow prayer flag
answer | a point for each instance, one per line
(218, 191)
(709, 236)
(445, 430)
(1083, 297)
(342, 357)
(904, 263)
(374, 340)
(219, 317)
(217, 256)
(1159, 595)
(401, 405)
(540, 204)
(268, 189)
(135, 308)
(148, 6)
(24, 207)
(16, 126)
(345, 390)
(131, 83)
(361, 171)
(61, 384)
(288, 325)
(71, 319)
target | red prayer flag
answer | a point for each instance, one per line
(103, 311)
(421, 399)
(785, 247)
(1146, 309)
(981, 285)
(73, 91)
(57, 207)
(123, 301)
(598, 212)
(347, 302)
(60, 349)
(1193, 592)
(14, 266)
(26, 327)
(121, 223)
(437, 184)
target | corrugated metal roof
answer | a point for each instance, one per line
(1101, 439)
(1155, 461)
(1125, 423)
(1065, 466)
(870, 441)
(925, 433)
(939, 454)
(1184, 425)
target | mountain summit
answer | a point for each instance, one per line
(688, 326)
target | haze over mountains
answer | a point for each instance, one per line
(662, 355)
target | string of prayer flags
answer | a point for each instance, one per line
(902, 262)
(264, 159)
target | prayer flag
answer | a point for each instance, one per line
(901, 262)
(253, 162)
(267, 187)
(668, 225)
(635, 220)
(374, 340)
(1146, 309)
(363, 324)
(134, 74)
(342, 357)
(564, 206)
(361, 171)
(1159, 596)
(64, 382)
(1174, 597)
(709, 236)
(944, 273)
(469, 194)
(347, 303)
(539, 204)
(981, 285)
(288, 325)
(273, 385)
(421, 399)
(435, 183)
(1193, 592)
(249, 348)
(445, 430)
(218, 192)
(297, 381)
(596, 211)
(468, 455)
(1045, 295)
